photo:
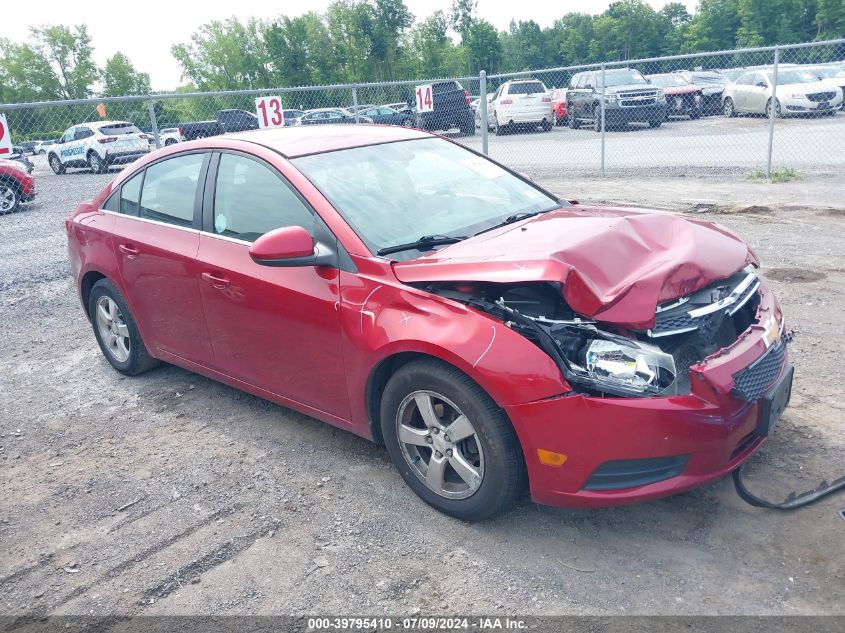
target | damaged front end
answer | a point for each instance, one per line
(607, 359)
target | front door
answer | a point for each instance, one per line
(275, 328)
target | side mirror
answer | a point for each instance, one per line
(761, 84)
(292, 246)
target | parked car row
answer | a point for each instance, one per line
(631, 97)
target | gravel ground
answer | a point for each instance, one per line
(172, 494)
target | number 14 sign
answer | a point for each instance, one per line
(270, 112)
(425, 102)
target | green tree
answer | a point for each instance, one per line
(483, 49)
(120, 78)
(70, 55)
(225, 55)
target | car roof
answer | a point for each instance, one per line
(292, 142)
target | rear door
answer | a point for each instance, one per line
(275, 328)
(156, 237)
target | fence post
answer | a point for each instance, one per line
(772, 113)
(355, 102)
(152, 111)
(482, 105)
(602, 120)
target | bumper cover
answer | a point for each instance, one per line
(709, 431)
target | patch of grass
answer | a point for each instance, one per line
(784, 174)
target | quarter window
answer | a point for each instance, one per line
(251, 199)
(130, 195)
(170, 189)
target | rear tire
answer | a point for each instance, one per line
(56, 165)
(488, 452)
(96, 164)
(169, 142)
(117, 334)
(498, 130)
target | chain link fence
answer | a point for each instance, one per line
(761, 111)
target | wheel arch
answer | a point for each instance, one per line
(6, 179)
(86, 284)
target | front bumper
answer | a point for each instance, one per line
(635, 114)
(803, 105)
(694, 438)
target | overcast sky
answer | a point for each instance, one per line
(146, 29)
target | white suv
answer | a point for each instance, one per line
(96, 146)
(523, 102)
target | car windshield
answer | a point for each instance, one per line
(526, 88)
(118, 129)
(622, 78)
(828, 72)
(666, 81)
(786, 77)
(395, 193)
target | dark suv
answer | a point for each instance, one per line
(451, 109)
(628, 98)
(237, 120)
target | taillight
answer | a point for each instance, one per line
(507, 101)
(108, 139)
(466, 96)
(180, 132)
(547, 99)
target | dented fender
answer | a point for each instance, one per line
(380, 318)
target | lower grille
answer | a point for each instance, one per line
(752, 382)
(821, 96)
(629, 473)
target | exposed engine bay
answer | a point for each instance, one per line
(610, 361)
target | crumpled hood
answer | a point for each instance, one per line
(616, 264)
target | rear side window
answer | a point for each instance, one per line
(527, 88)
(82, 133)
(118, 129)
(170, 189)
(251, 199)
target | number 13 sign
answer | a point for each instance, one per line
(425, 102)
(270, 112)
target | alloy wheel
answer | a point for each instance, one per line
(440, 444)
(113, 329)
(8, 199)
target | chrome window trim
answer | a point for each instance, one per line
(190, 229)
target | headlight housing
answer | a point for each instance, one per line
(661, 96)
(613, 364)
(611, 98)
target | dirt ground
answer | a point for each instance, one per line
(172, 494)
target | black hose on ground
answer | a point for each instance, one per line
(793, 501)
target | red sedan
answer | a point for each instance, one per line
(399, 286)
(16, 186)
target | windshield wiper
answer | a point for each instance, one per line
(425, 243)
(516, 217)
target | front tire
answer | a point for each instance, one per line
(728, 108)
(450, 442)
(769, 109)
(116, 331)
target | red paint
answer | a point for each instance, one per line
(284, 243)
(10, 169)
(311, 337)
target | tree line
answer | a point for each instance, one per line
(376, 40)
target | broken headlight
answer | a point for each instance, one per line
(614, 364)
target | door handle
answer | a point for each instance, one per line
(129, 251)
(216, 282)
